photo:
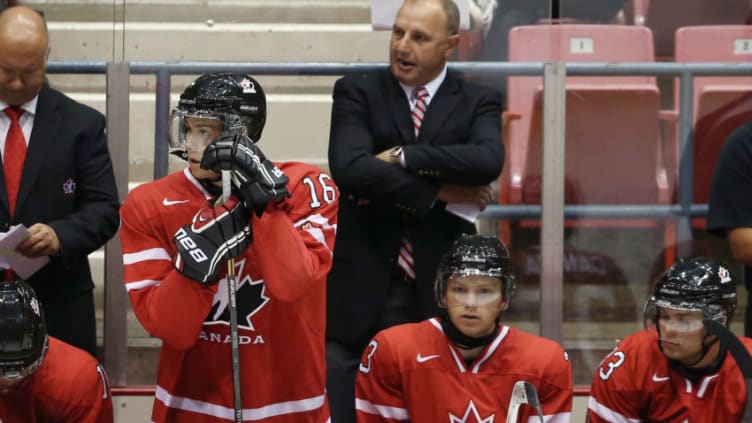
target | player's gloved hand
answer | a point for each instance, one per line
(257, 195)
(233, 151)
(215, 235)
(254, 178)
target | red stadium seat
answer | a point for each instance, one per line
(720, 103)
(613, 152)
(664, 17)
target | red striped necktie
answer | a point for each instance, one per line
(405, 259)
(421, 95)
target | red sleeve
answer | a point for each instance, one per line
(379, 395)
(83, 390)
(168, 305)
(293, 241)
(613, 394)
(556, 391)
(100, 399)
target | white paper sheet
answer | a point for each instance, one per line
(466, 211)
(23, 266)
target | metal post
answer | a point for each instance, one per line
(115, 357)
(686, 164)
(552, 230)
(162, 111)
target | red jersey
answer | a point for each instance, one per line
(280, 302)
(413, 372)
(635, 383)
(69, 387)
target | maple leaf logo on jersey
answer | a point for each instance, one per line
(250, 299)
(471, 416)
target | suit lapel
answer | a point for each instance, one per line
(46, 125)
(440, 108)
(400, 108)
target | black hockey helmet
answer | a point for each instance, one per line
(475, 255)
(236, 99)
(23, 333)
(694, 284)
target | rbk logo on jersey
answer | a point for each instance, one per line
(250, 299)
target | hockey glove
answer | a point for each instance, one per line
(257, 195)
(233, 151)
(254, 178)
(215, 235)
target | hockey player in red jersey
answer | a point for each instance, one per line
(43, 379)
(176, 241)
(674, 370)
(461, 367)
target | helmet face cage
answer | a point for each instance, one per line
(23, 333)
(237, 100)
(475, 255)
(695, 284)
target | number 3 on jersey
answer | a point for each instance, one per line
(365, 362)
(610, 363)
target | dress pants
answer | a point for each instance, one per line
(73, 320)
(343, 359)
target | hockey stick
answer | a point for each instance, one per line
(523, 393)
(232, 289)
(741, 356)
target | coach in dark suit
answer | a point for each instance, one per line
(397, 187)
(57, 178)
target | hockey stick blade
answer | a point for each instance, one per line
(523, 393)
(533, 400)
(740, 354)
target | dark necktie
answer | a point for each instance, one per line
(15, 155)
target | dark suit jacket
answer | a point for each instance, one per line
(67, 183)
(459, 142)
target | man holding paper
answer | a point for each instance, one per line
(57, 180)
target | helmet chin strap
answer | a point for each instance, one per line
(705, 350)
(460, 339)
(695, 373)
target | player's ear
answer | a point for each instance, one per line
(451, 44)
(504, 304)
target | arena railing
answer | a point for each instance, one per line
(552, 210)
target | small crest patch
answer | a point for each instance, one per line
(724, 274)
(69, 186)
(248, 86)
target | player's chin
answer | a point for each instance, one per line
(207, 175)
(471, 327)
(672, 350)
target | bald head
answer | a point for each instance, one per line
(424, 35)
(23, 25)
(451, 13)
(23, 54)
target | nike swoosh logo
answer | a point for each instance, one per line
(657, 378)
(422, 359)
(167, 202)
